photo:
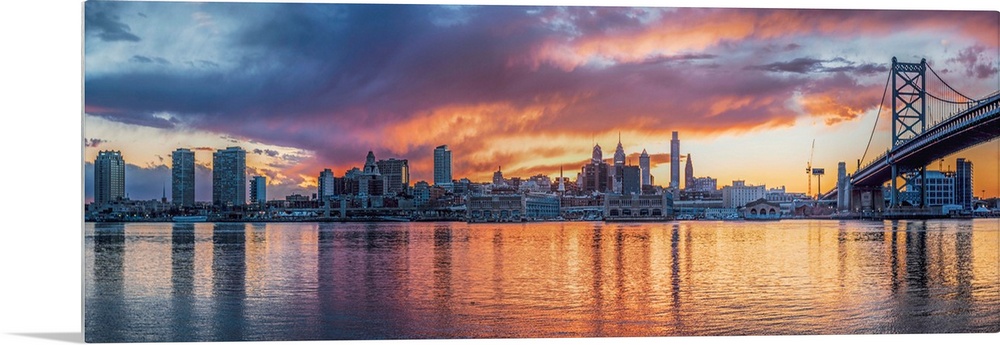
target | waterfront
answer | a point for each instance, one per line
(297, 281)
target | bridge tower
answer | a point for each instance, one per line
(909, 109)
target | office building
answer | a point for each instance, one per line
(326, 184)
(371, 182)
(109, 177)
(964, 191)
(740, 194)
(397, 175)
(596, 176)
(631, 179)
(644, 166)
(940, 189)
(258, 190)
(675, 161)
(229, 186)
(442, 166)
(182, 177)
(617, 171)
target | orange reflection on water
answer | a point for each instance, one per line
(443, 280)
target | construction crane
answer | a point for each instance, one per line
(809, 168)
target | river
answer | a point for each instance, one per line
(182, 282)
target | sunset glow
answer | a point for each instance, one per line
(528, 89)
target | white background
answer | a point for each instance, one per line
(41, 181)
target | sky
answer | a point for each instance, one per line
(304, 87)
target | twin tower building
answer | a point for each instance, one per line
(229, 183)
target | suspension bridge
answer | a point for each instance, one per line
(928, 123)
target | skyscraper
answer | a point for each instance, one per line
(442, 166)
(963, 183)
(619, 152)
(326, 183)
(595, 176)
(631, 181)
(109, 177)
(675, 161)
(688, 173)
(396, 173)
(644, 166)
(258, 190)
(618, 171)
(182, 177)
(229, 183)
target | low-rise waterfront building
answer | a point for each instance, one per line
(538, 206)
(635, 206)
(762, 209)
(495, 208)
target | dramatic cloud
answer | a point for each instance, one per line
(498, 84)
(978, 62)
(810, 65)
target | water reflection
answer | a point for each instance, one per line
(443, 280)
(182, 280)
(675, 273)
(229, 280)
(442, 276)
(105, 305)
(597, 265)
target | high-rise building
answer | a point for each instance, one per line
(675, 161)
(371, 181)
(109, 177)
(618, 170)
(229, 183)
(688, 173)
(326, 185)
(182, 177)
(596, 176)
(597, 156)
(644, 166)
(619, 152)
(631, 180)
(963, 183)
(396, 173)
(258, 190)
(442, 166)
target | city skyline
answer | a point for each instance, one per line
(744, 95)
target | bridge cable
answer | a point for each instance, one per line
(877, 115)
(946, 84)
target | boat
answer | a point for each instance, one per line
(189, 218)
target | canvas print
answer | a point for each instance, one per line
(323, 171)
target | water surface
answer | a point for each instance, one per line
(298, 281)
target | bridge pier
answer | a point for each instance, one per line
(867, 200)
